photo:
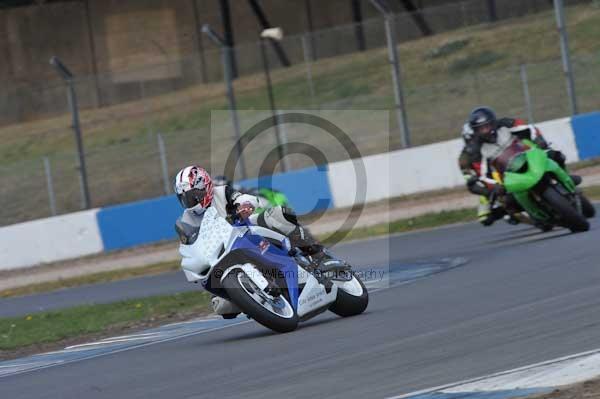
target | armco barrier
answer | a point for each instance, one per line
(586, 129)
(49, 240)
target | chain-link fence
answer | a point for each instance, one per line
(140, 127)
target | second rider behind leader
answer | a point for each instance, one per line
(486, 138)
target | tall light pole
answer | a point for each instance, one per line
(228, 74)
(566, 58)
(67, 76)
(273, 34)
(390, 32)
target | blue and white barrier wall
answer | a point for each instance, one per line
(586, 129)
(153, 220)
(424, 168)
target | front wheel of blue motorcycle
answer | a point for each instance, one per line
(352, 297)
(274, 312)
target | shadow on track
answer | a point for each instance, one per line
(263, 332)
(511, 236)
(544, 238)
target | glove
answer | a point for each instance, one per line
(245, 210)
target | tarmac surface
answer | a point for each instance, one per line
(508, 296)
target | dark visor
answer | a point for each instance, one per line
(191, 198)
(483, 128)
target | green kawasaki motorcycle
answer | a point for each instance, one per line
(544, 190)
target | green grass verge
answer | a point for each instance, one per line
(46, 327)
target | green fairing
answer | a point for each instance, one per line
(519, 184)
(275, 198)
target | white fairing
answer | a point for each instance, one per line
(352, 287)
(214, 234)
(252, 272)
(313, 295)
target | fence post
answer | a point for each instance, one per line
(228, 76)
(566, 57)
(526, 96)
(50, 186)
(281, 140)
(390, 32)
(163, 163)
(308, 58)
(68, 77)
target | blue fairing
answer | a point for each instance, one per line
(275, 257)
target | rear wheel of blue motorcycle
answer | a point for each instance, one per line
(243, 293)
(569, 216)
(347, 304)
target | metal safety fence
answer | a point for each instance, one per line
(147, 124)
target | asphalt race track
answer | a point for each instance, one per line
(523, 297)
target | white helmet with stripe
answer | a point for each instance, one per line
(194, 187)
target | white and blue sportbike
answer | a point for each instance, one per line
(257, 270)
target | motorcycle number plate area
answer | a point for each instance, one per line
(314, 296)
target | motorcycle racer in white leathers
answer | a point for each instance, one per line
(196, 192)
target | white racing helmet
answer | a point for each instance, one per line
(194, 187)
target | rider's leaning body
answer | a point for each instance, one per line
(196, 193)
(469, 162)
(502, 139)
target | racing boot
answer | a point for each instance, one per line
(325, 266)
(488, 214)
(496, 213)
(483, 210)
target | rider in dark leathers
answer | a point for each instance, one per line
(493, 137)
